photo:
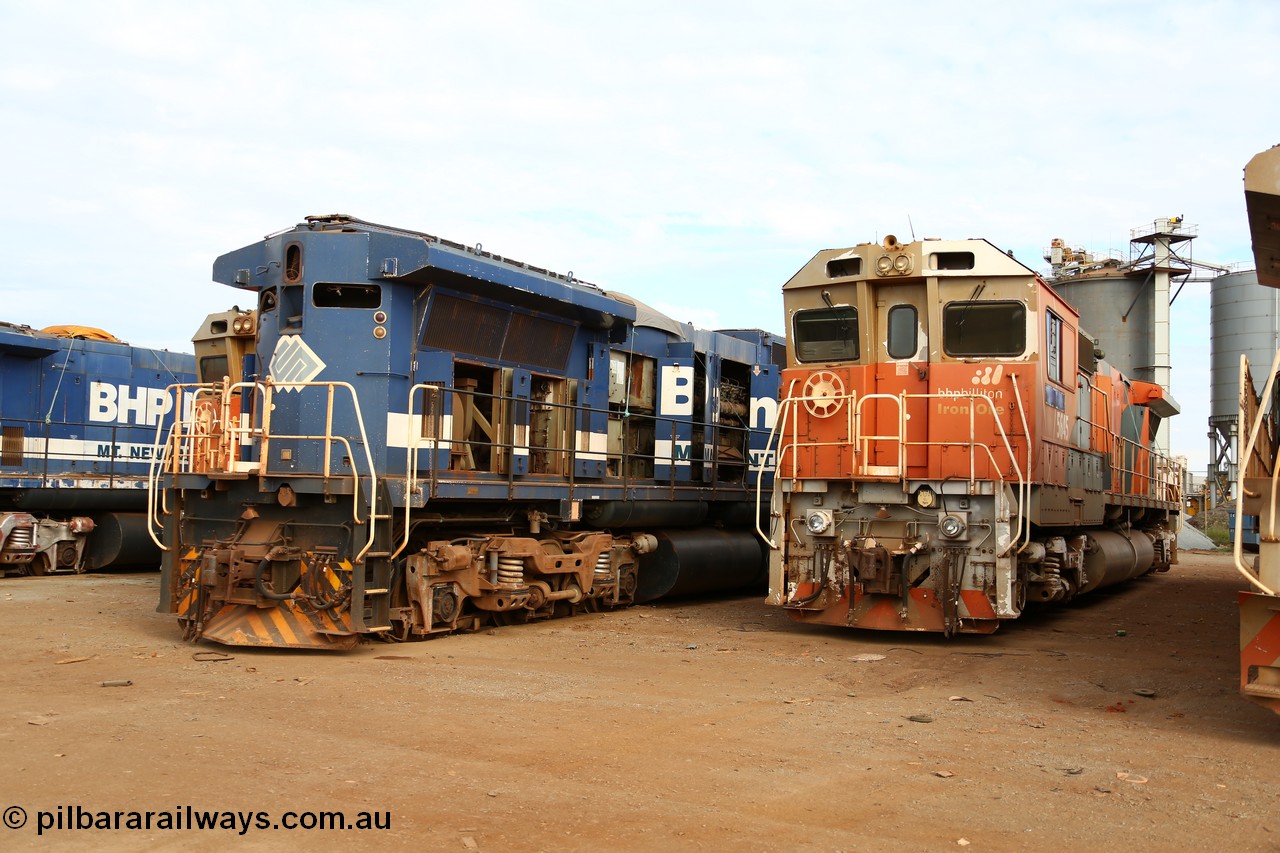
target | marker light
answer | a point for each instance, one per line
(818, 521)
(951, 526)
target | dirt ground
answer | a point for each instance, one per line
(693, 725)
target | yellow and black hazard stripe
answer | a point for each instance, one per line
(186, 590)
(285, 626)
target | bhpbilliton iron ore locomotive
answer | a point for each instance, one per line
(407, 437)
(78, 416)
(950, 445)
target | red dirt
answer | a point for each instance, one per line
(702, 725)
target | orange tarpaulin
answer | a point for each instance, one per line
(85, 332)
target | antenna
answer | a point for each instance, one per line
(912, 228)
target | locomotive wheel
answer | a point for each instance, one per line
(823, 394)
(444, 605)
(67, 557)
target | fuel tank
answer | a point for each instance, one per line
(692, 562)
(1111, 557)
(647, 513)
(120, 539)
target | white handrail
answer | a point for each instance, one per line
(1237, 551)
(774, 432)
(329, 437)
(411, 460)
(855, 439)
(1024, 483)
(153, 484)
(180, 432)
(858, 439)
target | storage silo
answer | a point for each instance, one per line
(1125, 305)
(1116, 309)
(1243, 318)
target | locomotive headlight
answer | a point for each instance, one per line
(951, 526)
(818, 521)
(884, 264)
(902, 263)
(925, 497)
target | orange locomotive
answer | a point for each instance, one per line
(950, 445)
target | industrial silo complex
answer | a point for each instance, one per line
(1125, 303)
(1243, 320)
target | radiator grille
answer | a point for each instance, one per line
(11, 445)
(538, 341)
(475, 328)
(460, 325)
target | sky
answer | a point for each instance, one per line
(693, 155)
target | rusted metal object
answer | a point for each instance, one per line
(1259, 461)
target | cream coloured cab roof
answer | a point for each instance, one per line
(923, 258)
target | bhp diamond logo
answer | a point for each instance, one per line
(294, 362)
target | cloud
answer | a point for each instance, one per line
(691, 155)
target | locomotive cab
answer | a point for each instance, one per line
(222, 344)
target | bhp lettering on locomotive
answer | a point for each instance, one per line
(79, 411)
(410, 437)
(123, 404)
(764, 412)
(944, 458)
(677, 390)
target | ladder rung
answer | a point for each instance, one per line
(378, 628)
(378, 554)
(1265, 690)
(376, 591)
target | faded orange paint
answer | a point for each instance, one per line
(856, 609)
(1259, 640)
(861, 435)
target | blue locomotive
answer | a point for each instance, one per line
(408, 436)
(78, 419)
